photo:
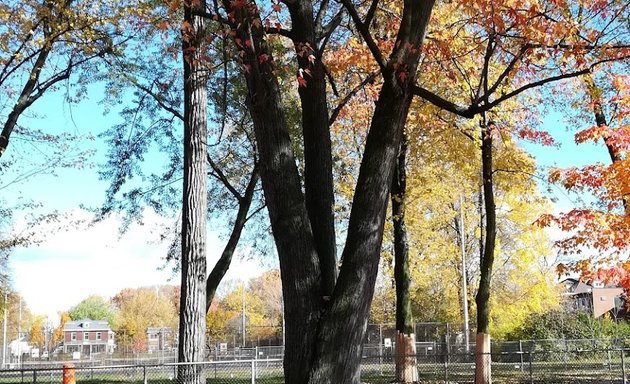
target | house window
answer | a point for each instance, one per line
(154, 336)
(86, 335)
(602, 298)
(73, 336)
(111, 336)
(98, 336)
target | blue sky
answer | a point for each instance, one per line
(71, 264)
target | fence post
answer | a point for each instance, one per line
(445, 368)
(253, 371)
(520, 353)
(380, 348)
(531, 371)
(34, 376)
(623, 367)
(609, 361)
(144, 374)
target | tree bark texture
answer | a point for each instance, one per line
(323, 342)
(290, 224)
(406, 367)
(192, 319)
(318, 178)
(482, 299)
(342, 327)
(406, 362)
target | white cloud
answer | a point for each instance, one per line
(71, 265)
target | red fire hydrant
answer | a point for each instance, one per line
(69, 374)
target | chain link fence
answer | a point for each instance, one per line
(268, 371)
(542, 361)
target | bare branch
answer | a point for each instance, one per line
(438, 101)
(218, 173)
(370, 14)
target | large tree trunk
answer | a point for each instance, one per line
(318, 178)
(342, 329)
(334, 355)
(290, 224)
(483, 358)
(406, 365)
(192, 320)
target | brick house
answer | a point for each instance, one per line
(87, 337)
(594, 297)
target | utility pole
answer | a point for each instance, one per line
(243, 312)
(4, 330)
(462, 247)
(19, 349)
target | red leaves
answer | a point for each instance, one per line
(536, 136)
(301, 81)
(263, 58)
(173, 6)
(237, 4)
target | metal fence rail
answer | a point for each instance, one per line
(527, 367)
(263, 371)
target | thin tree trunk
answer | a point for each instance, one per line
(318, 178)
(192, 320)
(406, 364)
(223, 264)
(483, 358)
(595, 94)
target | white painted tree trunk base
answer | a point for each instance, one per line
(483, 360)
(406, 363)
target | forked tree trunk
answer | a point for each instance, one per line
(341, 332)
(482, 348)
(290, 224)
(192, 319)
(323, 345)
(406, 363)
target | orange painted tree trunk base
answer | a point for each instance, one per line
(483, 360)
(406, 363)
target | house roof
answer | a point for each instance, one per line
(86, 325)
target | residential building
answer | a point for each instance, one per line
(159, 339)
(594, 297)
(88, 337)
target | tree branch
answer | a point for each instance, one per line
(370, 14)
(438, 101)
(508, 68)
(365, 33)
(222, 178)
(350, 95)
